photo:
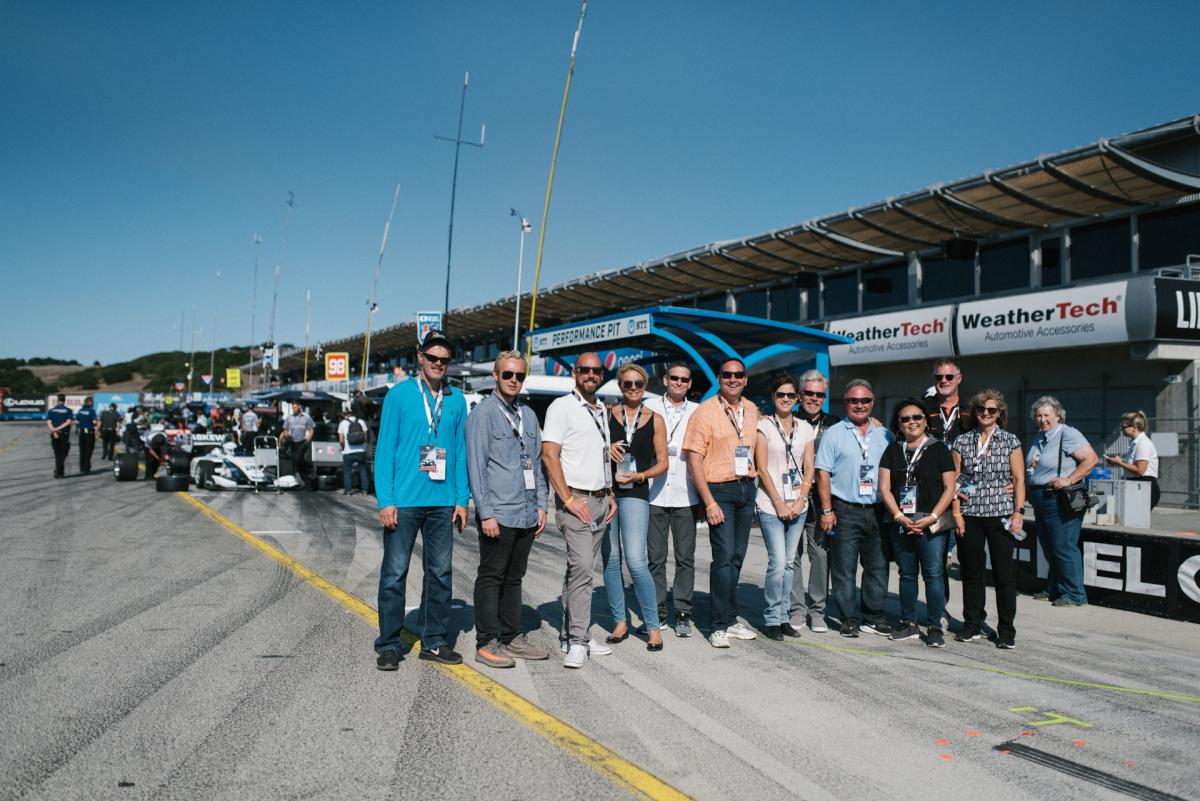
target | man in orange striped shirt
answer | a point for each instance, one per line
(719, 444)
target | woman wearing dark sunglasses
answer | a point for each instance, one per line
(988, 459)
(783, 456)
(639, 453)
(916, 485)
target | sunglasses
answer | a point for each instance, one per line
(436, 359)
(911, 418)
(859, 401)
(733, 374)
(507, 375)
(945, 376)
(682, 379)
(638, 384)
(808, 393)
(987, 410)
(786, 395)
(592, 370)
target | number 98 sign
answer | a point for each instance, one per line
(337, 366)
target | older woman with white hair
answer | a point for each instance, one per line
(1058, 457)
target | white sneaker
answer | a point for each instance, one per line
(817, 624)
(597, 648)
(718, 639)
(740, 631)
(576, 656)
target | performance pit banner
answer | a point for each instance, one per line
(588, 333)
(1062, 318)
(901, 336)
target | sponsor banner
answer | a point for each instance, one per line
(123, 400)
(1177, 309)
(22, 407)
(600, 331)
(426, 322)
(611, 359)
(233, 377)
(1063, 318)
(73, 402)
(900, 336)
(337, 366)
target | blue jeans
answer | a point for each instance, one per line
(926, 552)
(1058, 538)
(781, 538)
(856, 538)
(633, 519)
(352, 462)
(437, 533)
(729, 541)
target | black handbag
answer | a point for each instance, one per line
(1075, 499)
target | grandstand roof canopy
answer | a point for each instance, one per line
(1101, 178)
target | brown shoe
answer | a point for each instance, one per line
(522, 648)
(493, 655)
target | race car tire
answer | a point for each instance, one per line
(327, 483)
(179, 464)
(171, 483)
(125, 467)
(204, 477)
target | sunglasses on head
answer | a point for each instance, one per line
(682, 379)
(733, 374)
(786, 395)
(987, 410)
(945, 376)
(808, 393)
(635, 384)
(507, 375)
(910, 418)
(859, 401)
(590, 369)
(436, 359)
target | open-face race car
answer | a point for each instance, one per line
(228, 467)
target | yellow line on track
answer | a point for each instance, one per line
(17, 439)
(565, 737)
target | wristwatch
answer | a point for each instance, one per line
(826, 512)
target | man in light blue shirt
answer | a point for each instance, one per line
(847, 466)
(421, 485)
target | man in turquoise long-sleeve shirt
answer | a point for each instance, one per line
(421, 485)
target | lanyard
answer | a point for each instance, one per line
(668, 413)
(432, 416)
(787, 440)
(819, 424)
(741, 416)
(981, 450)
(629, 432)
(591, 410)
(864, 443)
(516, 425)
(910, 465)
(947, 420)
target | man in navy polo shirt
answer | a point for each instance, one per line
(58, 422)
(85, 421)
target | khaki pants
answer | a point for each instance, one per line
(583, 545)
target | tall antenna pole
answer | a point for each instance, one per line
(253, 308)
(181, 330)
(458, 143)
(372, 305)
(307, 331)
(537, 273)
(212, 351)
(520, 263)
(192, 363)
(287, 221)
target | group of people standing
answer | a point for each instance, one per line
(86, 422)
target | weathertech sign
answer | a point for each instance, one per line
(917, 334)
(600, 331)
(1088, 315)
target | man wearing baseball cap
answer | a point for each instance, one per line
(421, 485)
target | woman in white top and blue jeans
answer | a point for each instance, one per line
(1142, 457)
(783, 456)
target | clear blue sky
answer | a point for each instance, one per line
(143, 144)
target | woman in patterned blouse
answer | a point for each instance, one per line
(989, 459)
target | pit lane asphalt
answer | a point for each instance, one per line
(144, 644)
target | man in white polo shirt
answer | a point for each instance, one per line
(674, 504)
(575, 452)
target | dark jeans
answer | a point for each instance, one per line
(971, 560)
(301, 463)
(1058, 537)
(87, 445)
(152, 464)
(248, 441)
(355, 463)
(502, 562)
(856, 538)
(926, 553)
(62, 446)
(108, 444)
(681, 524)
(729, 541)
(437, 541)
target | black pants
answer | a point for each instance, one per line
(301, 463)
(62, 446)
(151, 464)
(502, 562)
(248, 441)
(87, 444)
(971, 560)
(680, 522)
(108, 443)
(1155, 492)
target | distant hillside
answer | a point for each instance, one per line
(155, 372)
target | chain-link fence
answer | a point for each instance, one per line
(1178, 463)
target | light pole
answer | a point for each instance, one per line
(192, 363)
(458, 143)
(212, 353)
(372, 306)
(287, 221)
(253, 309)
(525, 228)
